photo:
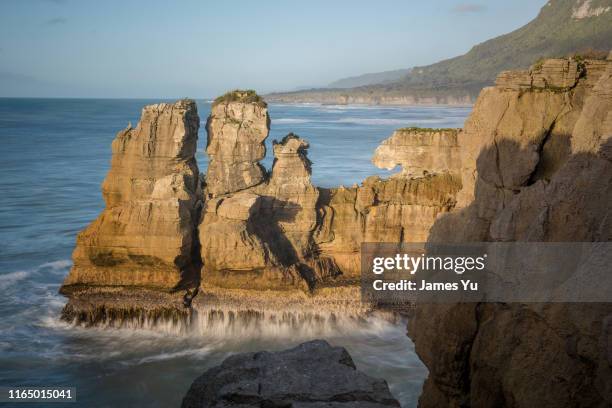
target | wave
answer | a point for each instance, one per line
(9, 279)
(372, 121)
(227, 323)
(55, 265)
(290, 120)
(399, 122)
(195, 353)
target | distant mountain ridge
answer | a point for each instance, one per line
(370, 79)
(561, 28)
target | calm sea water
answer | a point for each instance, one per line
(54, 155)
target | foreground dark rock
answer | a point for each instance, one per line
(313, 374)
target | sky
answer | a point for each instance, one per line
(200, 49)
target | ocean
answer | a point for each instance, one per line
(55, 154)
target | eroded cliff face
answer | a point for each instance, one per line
(535, 166)
(146, 235)
(261, 237)
(460, 97)
(236, 133)
(256, 228)
(399, 209)
(420, 152)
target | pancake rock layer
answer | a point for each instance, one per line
(146, 235)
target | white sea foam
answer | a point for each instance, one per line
(9, 279)
(220, 324)
(54, 322)
(194, 353)
(57, 265)
(290, 120)
(372, 121)
(363, 121)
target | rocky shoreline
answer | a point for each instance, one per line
(532, 163)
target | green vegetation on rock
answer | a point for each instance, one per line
(238, 95)
(430, 130)
(554, 33)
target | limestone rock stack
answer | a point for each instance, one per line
(536, 166)
(256, 231)
(281, 231)
(146, 234)
(237, 127)
(399, 209)
(420, 151)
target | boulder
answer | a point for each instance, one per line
(313, 374)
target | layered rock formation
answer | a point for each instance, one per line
(313, 374)
(536, 166)
(283, 232)
(420, 151)
(146, 235)
(399, 209)
(533, 163)
(237, 127)
(256, 231)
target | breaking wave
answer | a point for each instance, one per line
(9, 279)
(290, 120)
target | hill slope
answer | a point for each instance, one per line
(562, 27)
(370, 79)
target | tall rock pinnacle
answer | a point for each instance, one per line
(146, 234)
(237, 128)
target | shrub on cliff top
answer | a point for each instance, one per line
(239, 95)
(419, 129)
(578, 56)
(589, 53)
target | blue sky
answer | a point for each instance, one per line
(196, 48)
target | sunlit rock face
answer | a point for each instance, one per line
(420, 151)
(237, 127)
(282, 231)
(536, 166)
(398, 209)
(146, 235)
(257, 229)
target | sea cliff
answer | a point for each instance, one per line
(536, 165)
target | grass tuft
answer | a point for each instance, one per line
(239, 95)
